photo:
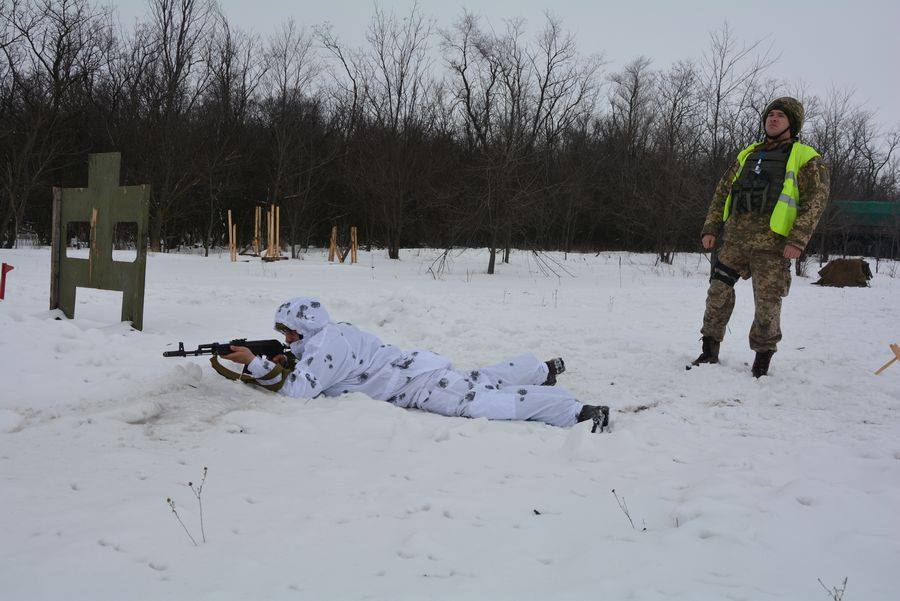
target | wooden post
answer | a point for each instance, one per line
(258, 214)
(270, 223)
(277, 231)
(332, 246)
(354, 245)
(230, 238)
(234, 243)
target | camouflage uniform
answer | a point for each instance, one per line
(749, 246)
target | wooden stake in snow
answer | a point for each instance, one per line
(268, 233)
(332, 245)
(231, 242)
(896, 350)
(256, 230)
(335, 251)
(273, 237)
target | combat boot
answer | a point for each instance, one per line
(598, 413)
(709, 353)
(761, 363)
(554, 368)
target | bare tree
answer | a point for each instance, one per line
(296, 113)
(51, 49)
(730, 73)
(516, 99)
(511, 140)
(674, 196)
(390, 84)
(234, 74)
(172, 86)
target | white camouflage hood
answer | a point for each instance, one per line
(303, 314)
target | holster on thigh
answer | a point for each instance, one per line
(786, 274)
(724, 273)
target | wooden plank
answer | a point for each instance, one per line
(332, 245)
(895, 348)
(258, 213)
(230, 237)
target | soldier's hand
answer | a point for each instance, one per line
(240, 354)
(708, 241)
(279, 359)
(792, 252)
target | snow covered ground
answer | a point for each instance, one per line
(738, 488)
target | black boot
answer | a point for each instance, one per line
(598, 413)
(761, 363)
(710, 352)
(554, 368)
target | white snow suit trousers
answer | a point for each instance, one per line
(509, 390)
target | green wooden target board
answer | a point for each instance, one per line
(102, 205)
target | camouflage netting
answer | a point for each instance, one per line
(845, 272)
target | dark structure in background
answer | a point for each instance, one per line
(869, 228)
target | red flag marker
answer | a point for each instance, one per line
(3, 271)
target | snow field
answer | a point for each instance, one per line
(748, 489)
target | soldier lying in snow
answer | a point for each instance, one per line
(332, 359)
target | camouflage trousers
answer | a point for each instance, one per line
(771, 276)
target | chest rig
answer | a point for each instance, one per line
(759, 185)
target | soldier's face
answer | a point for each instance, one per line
(776, 122)
(291, 336)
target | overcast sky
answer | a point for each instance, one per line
(825, 43)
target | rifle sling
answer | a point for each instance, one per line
(234, 376)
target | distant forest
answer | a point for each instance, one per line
(428, 134)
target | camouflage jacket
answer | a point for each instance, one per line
(753, 229)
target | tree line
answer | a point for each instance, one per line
(459, 135)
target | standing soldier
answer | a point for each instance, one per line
(770, 201)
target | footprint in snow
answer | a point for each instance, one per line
(105, 543)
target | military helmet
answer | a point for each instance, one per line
(792, 108)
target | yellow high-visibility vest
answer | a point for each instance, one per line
(785, 211)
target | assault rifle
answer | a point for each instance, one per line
(266, 348)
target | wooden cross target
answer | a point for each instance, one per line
(102, 205)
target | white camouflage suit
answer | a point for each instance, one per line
(338, 358)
